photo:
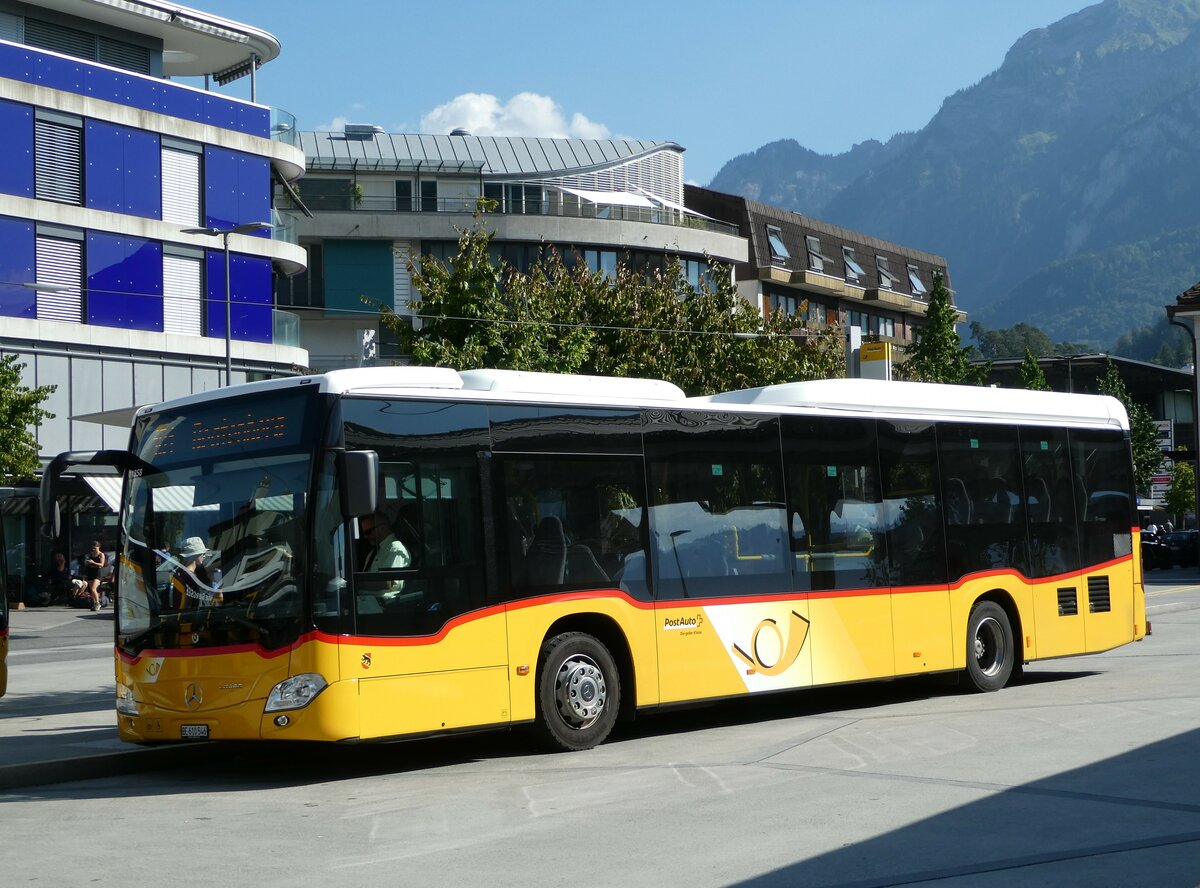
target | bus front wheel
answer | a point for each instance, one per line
(579, 692)
(990, 650)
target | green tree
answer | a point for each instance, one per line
(1031, 375)
(20, 414)
(1014, 341)
(1011, 342)
(1161, 343)
(937, 354)
(1180, 498)
(565, 318)
(1143, 433)
(472, 315)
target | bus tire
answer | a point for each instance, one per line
(990, 649)
(578, 693)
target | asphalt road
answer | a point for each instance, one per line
(1086, 774)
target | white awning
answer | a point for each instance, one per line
(609, 198)
(180, 498)
(107, 487)
(177, 498)
(121, 416)
(670, 204)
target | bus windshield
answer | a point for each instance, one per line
(213, 525)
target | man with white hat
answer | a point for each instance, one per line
(190, 583)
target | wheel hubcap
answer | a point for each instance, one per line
(580, 691)
(991, 650)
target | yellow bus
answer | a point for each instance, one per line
(397, 552)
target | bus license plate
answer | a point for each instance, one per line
(193, 732)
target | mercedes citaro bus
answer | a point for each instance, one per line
(565, 551)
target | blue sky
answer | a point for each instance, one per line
(719, 78)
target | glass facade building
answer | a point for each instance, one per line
(109, 169)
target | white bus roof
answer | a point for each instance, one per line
(931, 401)
(898, 400)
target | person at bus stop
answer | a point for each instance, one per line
(60, 587)
(190, 582)
(93, 563)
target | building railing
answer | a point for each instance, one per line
(283, 127)
(799, 272)
(285, 328)
(283, 228)
(576, 209)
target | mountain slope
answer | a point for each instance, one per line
(785, 174)
(1097, 297)
(1082, 144)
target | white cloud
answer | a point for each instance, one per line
(525, 114)
(334, 126)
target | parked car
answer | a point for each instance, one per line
(1180, 546)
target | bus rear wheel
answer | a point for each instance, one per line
(990, 649)
(579, 692)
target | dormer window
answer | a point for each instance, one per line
(886, 281)
(816, 261)
(779, 252)
(914, 281)
(854, 271)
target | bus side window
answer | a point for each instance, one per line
(1050, 499)
(981, 493)
(430, 498)
(570, 522)
(718, 521)
(1105, 507)
(833, 492)
(911, 503)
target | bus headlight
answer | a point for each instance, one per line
(295, 692)
(126, 705)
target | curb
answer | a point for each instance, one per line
(89, 767)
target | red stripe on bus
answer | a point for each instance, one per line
(598, 594)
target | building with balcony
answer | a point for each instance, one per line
(378, 200)
(110, 289)
(825, 274)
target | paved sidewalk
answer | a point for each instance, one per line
(57, 721)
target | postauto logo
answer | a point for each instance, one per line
(676, 623)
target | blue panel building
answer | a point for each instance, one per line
(127, 186)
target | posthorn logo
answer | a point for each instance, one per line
(772, 654)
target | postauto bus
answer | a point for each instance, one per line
(565, 551)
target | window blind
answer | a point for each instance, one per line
(181, 187)
(182, 295)
(60, 264)
(58, 164)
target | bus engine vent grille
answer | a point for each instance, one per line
(1068, 601)
(1098, 600)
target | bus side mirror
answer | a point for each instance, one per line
(48, 493)
(360, 481)
(52, 527)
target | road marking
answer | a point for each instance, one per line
(1170, 590)
(18, 625)
(27, 652)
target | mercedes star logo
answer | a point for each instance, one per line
(193, 696)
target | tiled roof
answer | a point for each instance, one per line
(489, 155)
(1192, 294)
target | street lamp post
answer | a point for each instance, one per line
(224, 233)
